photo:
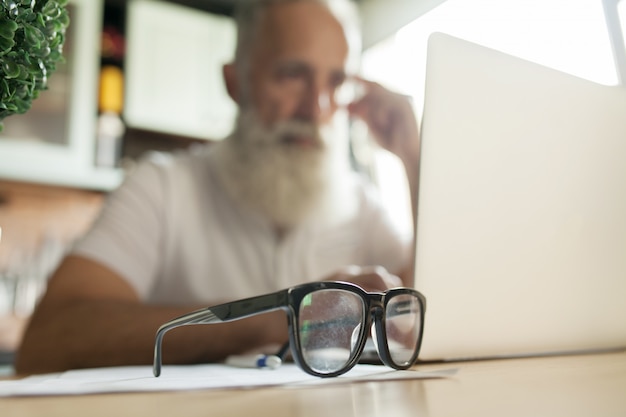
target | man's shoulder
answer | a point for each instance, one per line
(165, 172)
(177, 162)
(176, 159)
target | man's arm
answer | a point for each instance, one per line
(91, 317)
(392, 121)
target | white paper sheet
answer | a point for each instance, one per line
(192, 377)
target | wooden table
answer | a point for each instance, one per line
(583, 385)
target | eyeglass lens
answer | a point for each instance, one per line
(402, 327)
(330, 322)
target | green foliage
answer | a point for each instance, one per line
(32, 33)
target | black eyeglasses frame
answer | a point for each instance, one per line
(289, 300)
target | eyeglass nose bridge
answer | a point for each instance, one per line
(377, 326)
(376, 307)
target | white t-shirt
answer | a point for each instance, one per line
(178, 238)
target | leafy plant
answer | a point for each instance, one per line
(32, 33)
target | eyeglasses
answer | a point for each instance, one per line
(329, 324)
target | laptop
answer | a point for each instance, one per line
(521, 218)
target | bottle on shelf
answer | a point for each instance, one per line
(110, 127)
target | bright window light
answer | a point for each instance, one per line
(567, 35)
(621, 10)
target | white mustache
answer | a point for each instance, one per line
(278, 134)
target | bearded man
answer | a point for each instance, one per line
(273, 205)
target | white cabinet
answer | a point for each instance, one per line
(54, 142)
(173, 70)
(173, 84)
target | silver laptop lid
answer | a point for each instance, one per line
(521, 224)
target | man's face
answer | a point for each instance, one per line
(287, 155)
(296, 66)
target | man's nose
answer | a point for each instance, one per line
(315, 105)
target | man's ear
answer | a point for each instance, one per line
(229, 71)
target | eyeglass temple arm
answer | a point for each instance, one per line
(402, 307)
(218, 314)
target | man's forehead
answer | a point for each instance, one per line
(303, 26)
(296, 8)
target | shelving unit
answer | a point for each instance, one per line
(65, 158)
(61, 149)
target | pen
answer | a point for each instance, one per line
(254, 361)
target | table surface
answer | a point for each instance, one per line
(580, 385)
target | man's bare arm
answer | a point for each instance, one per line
(91, 317)
(392, 121)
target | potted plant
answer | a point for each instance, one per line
(32, 33)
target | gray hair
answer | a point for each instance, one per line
(248, 14)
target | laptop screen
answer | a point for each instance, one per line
(521, 222)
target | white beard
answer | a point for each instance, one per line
(286, 182)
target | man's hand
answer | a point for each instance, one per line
(390, 118)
